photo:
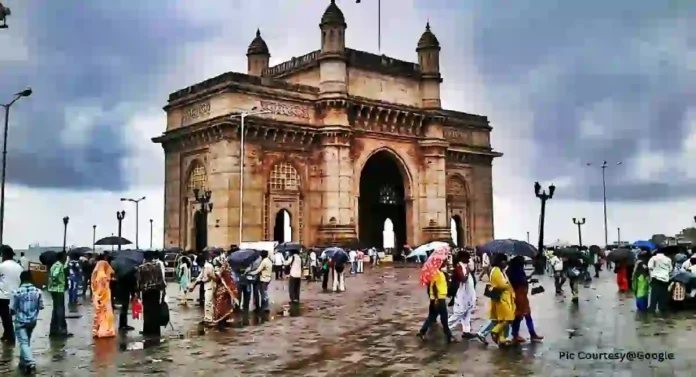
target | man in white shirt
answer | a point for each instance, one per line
(313, 270)
(295, 263)
(278, 264)
(556, 264)
(208, 279)
(352, 257)
(23, 261)
(9, 282)
(660, 267)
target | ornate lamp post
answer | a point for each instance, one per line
(579, 223)
(119, 217)
(25, 93)
(543, 196)
(206, 207)
(94, 236)
(66, 219)
(4, 12)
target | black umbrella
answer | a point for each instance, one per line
(80, 251)
(127, 262)
(288, 247)
(243, 257)
(686, 278)
(47, 258)
(674, 249)
(113, 241)
(620, 255)
(336, 254)
(173, 249)
(568, 252)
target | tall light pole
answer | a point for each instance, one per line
(94, 237)
(579, 223)
(136, 201)
(24, 93)
(527, 237)
(119, 217)
(242, 116)
(379, 24)
(604, 194)
(150, 234)
(543, 196)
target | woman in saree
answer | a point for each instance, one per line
(101, 300)
(225, 295)
(622, 276)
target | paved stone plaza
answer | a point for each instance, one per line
(370, 331)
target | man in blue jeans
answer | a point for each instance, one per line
(26, 306)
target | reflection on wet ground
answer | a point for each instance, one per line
(370, 331)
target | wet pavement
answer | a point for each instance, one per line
(370, 331)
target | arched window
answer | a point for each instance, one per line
(197, 179)
(284, 177)
(387, 195)
(456, 187)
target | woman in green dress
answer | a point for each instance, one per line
(640, 284)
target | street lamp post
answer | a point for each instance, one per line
(379, 23)
(527, 237)
(618, 236)
(94, 236)
(150, 234)
(119, 217)
(24, 93)
(206, 207)
(604, 194)
(242, 116)
(579, 223)
(543, 196)
(136, 201)
(66, 219)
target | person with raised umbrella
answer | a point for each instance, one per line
(437, 291)
(151, 286)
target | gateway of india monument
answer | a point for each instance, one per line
(337, 145)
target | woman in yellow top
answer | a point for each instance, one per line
(437, 290)
(502, 310)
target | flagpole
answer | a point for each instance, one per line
(379, 24)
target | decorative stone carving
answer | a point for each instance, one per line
(196, 111)
(457, 136)
(285, 109)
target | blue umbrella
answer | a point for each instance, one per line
(243, 257)
(512, 247)
(644, 245)
(337, 254)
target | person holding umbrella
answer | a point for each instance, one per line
(151, 285)
(437, 290)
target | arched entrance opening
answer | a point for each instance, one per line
(388, 234)
(200, 225)
(382, 198)
(282, 228)
(457, 231)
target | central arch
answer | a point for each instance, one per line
(383, 195)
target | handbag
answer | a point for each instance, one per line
(537, 289)
(164, 313)
(492, 292)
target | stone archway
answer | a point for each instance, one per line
(283, 193)
(282, 226)
(459, 208)
(195, 224)
(383, 195)
(457, 231)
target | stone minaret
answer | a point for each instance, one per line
(257, 55)
(332, 61)
(429, 60)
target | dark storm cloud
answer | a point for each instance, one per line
(612, 62)
(92, 54)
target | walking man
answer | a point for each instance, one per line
(56, 287)
(9, 281)
(27, 302)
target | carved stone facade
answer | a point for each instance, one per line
(316, 122)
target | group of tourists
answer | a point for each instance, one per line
(508, 290)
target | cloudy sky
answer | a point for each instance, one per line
(563, 85)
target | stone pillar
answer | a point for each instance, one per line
(173, 183)
(223, 182)
(482, 203)
(433, 187)
(337, 225)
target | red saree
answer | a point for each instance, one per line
(225, 294)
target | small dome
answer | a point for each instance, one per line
(258, 46)
(333, 15)
(428, 39)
